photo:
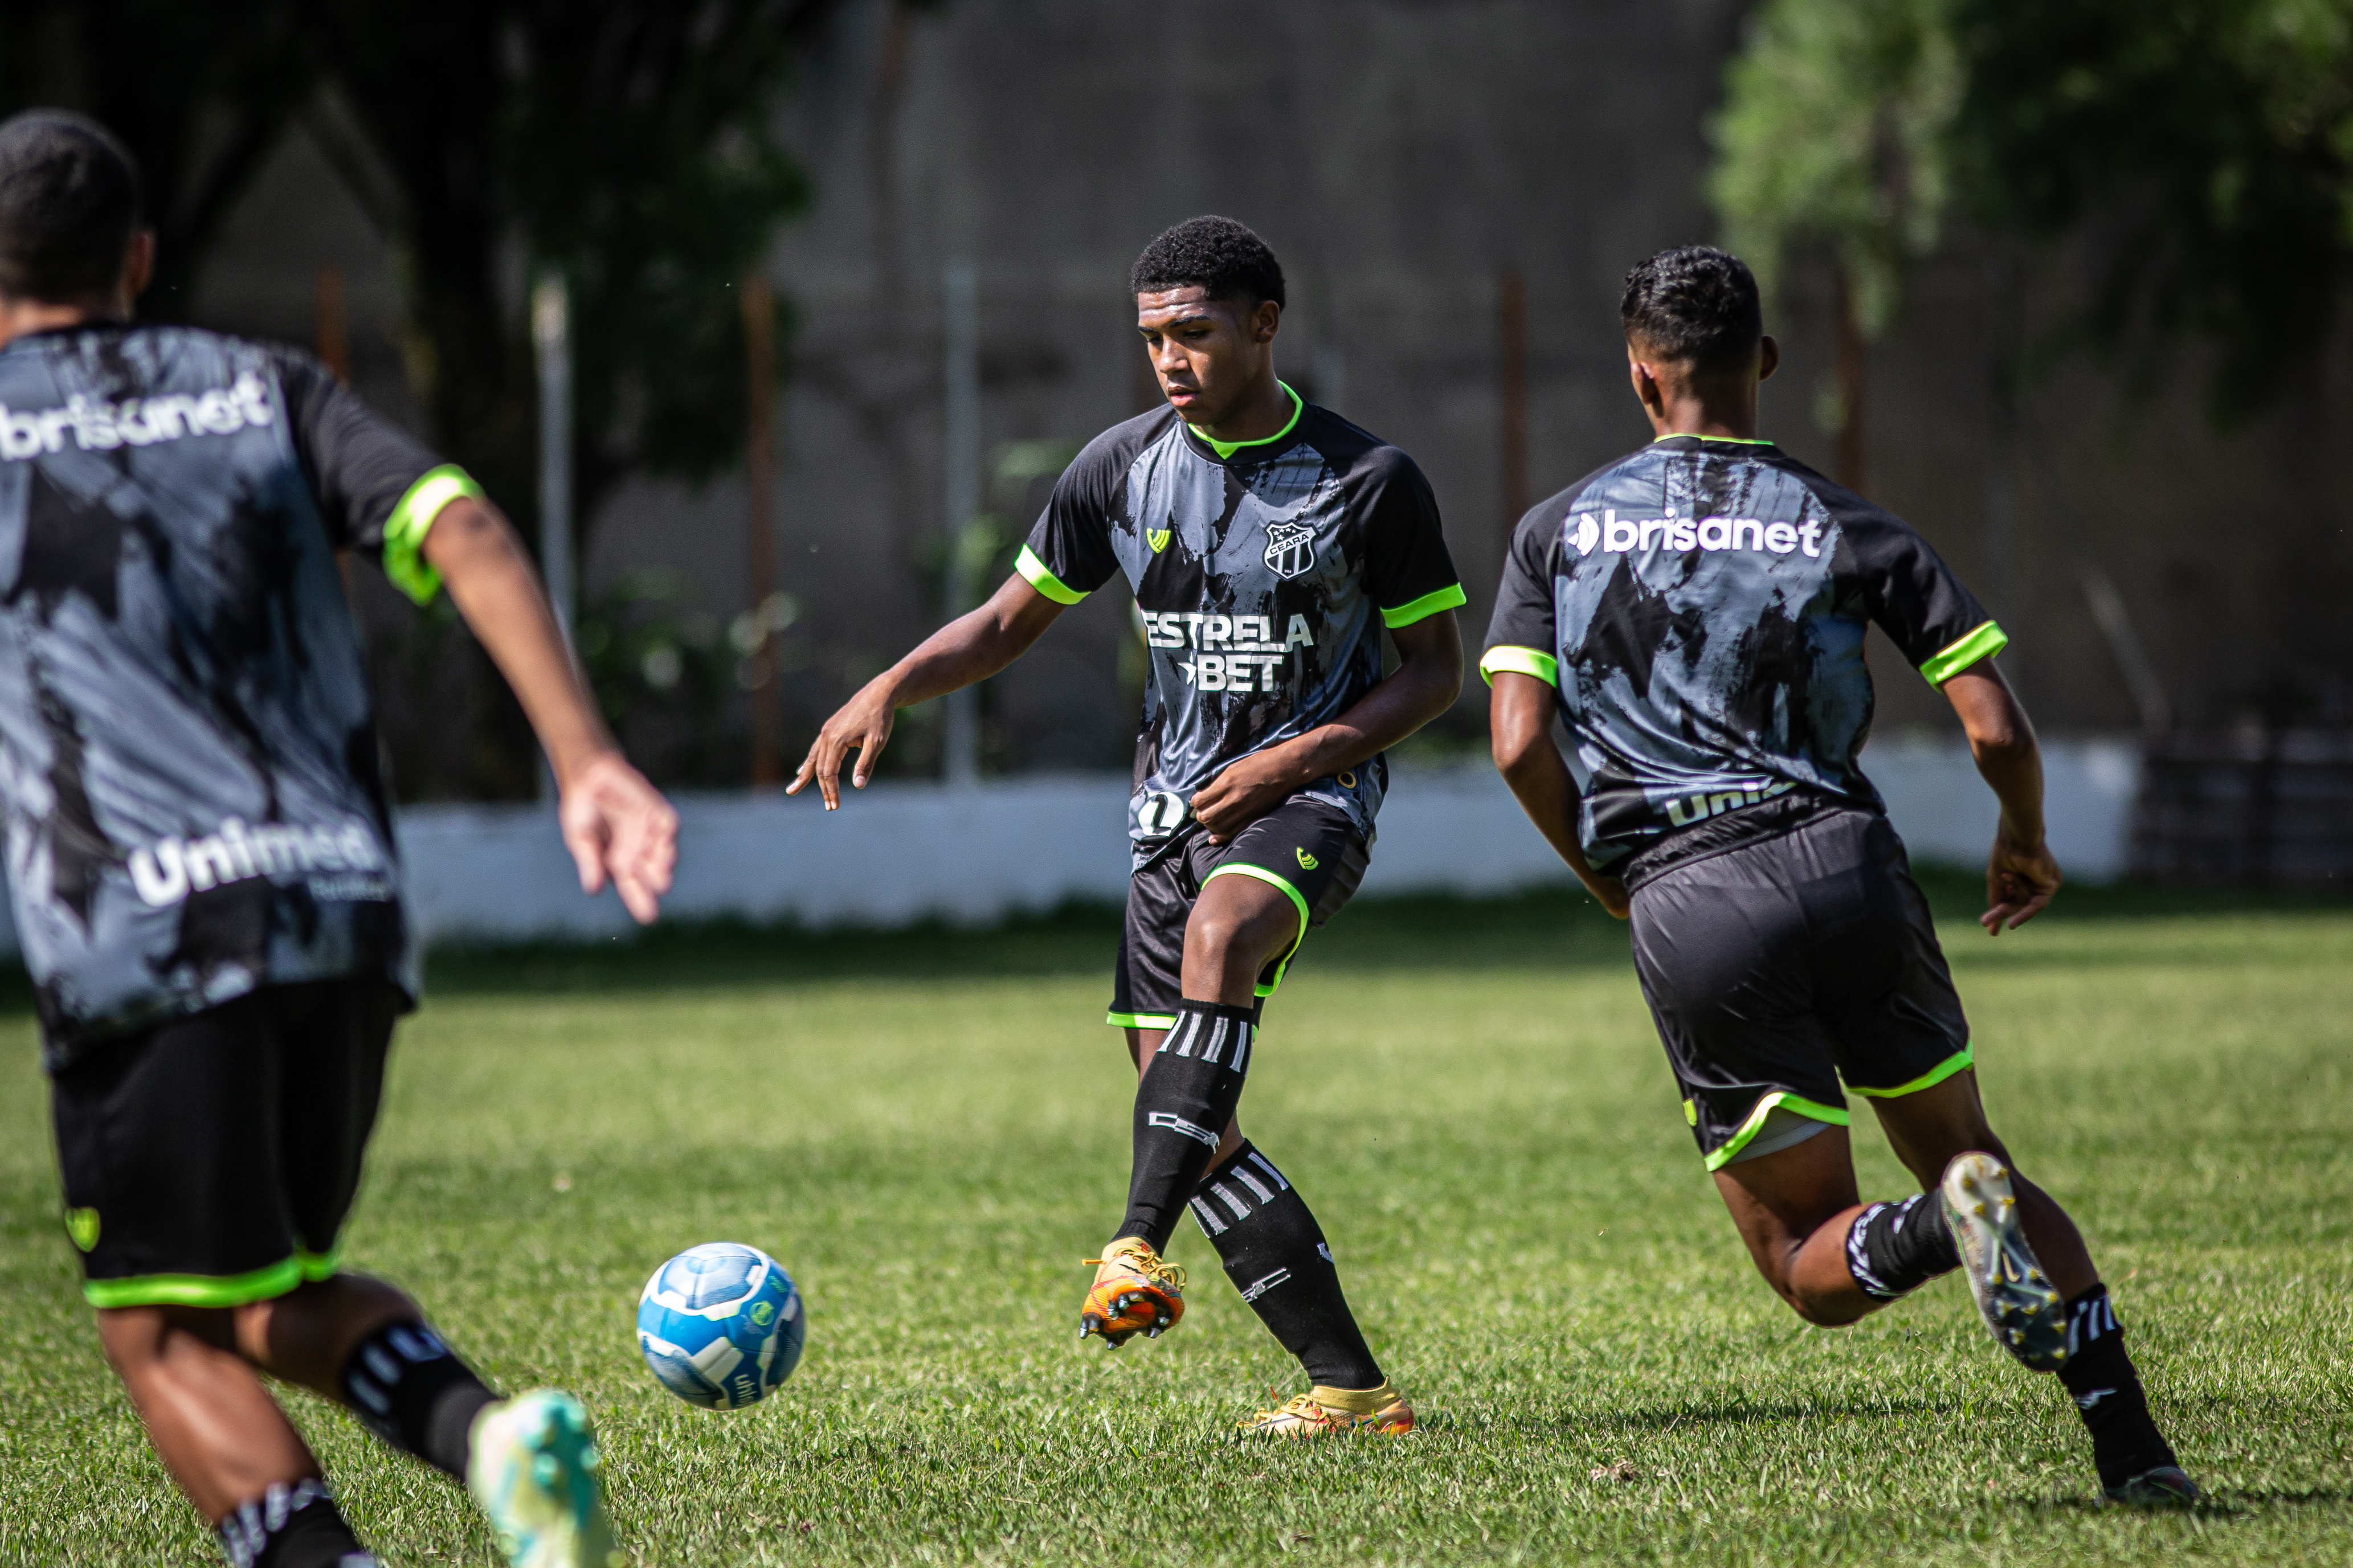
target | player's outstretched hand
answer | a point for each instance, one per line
(618, 826)
(863, 724)
(2019, 880)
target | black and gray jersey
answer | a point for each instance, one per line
(1701, 607)
(189, 768)
(1264, 573)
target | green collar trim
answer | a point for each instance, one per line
(1695, 436)
(1225, 450)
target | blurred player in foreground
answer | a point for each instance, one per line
(1268, 542)
(201, 858)
(1695, 614)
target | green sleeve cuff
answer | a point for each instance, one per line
(1045, 582)
(412, 520)
(1450, 598)
(1979, 645)
(1520, 661)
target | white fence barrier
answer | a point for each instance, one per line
(897, 853)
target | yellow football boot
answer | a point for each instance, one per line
(1136, 1291)
(1336, 1411)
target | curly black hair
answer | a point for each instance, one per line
(69, 206)
(1218, 254)
(1697, 304)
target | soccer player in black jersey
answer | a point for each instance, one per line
(1694, 614)
(1269, 543)
(201, 864)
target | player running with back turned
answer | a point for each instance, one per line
(1695, 614)
(1268, 542)
(201, 860)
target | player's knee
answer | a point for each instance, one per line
(325, 1317)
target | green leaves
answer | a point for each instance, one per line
(1837, 129)
(2203, 149)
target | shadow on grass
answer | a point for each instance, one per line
(1756, 1413)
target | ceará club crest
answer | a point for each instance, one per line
(1289, 549)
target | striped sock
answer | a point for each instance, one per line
(1182, 1106)
(1276, 1256)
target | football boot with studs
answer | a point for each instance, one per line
(1136, 1291)
(1335, 1413)
(2020, 1304)
(533, 1466)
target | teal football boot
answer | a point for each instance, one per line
(533, 1469)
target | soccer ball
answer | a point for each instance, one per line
(720, 1325)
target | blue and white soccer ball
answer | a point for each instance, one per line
(720, 1325)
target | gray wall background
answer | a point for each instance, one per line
(1400, 155)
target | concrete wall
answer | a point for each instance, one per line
(1401, 157)
(897, 853)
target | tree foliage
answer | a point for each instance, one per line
(631, 143)
(2203, 148)
(1836, 130)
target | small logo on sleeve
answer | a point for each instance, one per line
(1158, 538)
(1306, 862)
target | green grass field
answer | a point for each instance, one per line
(932, 1128)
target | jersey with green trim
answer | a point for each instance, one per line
(1700, 605)
(189, 768)
(1263, 578)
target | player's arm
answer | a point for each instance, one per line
(1519, 719)
(1428, 678)
(969, 648)
(614, 822)
(2021, 875)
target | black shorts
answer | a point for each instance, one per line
(210, 1161)
(1308, 848)
(1776, 969)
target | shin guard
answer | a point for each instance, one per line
(1276, 1256)
(1182, 1106)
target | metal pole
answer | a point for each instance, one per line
(759, 520)
(961, 496)
(551, 335)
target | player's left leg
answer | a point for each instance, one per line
(2013, 1234)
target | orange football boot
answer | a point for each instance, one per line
(1136, 1292)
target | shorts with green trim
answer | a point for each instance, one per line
(1778, 968)
(210, 1161)
(1304, 847)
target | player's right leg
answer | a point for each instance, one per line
(208, 1166)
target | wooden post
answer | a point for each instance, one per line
(759, 520)
(333, 323)
(1849, 367)
(1512, 331)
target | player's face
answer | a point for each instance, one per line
(1206, 353)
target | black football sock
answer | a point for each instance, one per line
(1182, 1106)
(2108, 1393)
(292, 1525)
(412, 1390)
(1275, 1254)
(1895, 1248)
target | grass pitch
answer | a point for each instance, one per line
(930, 1130)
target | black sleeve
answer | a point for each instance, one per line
(360, 465)
(1408, 572)
(1909, 593)
(1069, 553)
(1522, 635)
